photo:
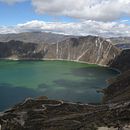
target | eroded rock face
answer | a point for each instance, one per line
(119, 89)
(40, 114)
(18, 50)
(89, 49)
(122, 61)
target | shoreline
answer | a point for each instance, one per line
(47, 59)
(82, 62)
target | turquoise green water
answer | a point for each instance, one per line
(69, 81)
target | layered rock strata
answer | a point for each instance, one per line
(87, 49)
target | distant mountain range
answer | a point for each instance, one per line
(120, 40)
(51, 38)
(123, 46)
(34, 37)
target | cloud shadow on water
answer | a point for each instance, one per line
(83, 84)
(94, 72)
(10, 95)
(81, 91)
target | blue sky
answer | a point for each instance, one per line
(23, 12)
(83, 17)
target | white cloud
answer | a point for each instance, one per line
(101, 10)
(5, 30)
(124, 21)
(89, 27)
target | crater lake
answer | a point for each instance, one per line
(63, 80)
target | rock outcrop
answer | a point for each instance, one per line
(122, 61)
(89, 49)
(40, 114)
(119, 88)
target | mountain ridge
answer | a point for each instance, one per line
(89, 49)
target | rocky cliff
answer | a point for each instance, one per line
(122, 61)
(119, 88)
(89, 49)
(45, 114)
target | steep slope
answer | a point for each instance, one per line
(19, 50)
(119, 89)
(87, 49)
(122, 61)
